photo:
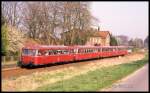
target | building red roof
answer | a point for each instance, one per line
(102, 34)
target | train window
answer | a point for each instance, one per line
(116, 49)
(102, 49)
(110, 49)
(113, 49)
(76, 51)
(99, 49)
(87, 50)
(39, 53)
(92, 50)
(54, 52)
(31, 52)
(25, 52)
(96, 50)
(46, 53)
(84, 50)
(105, 49)
(79, 50)
(72, 51)
(119, 48)
(51, 52)
(65, 52)
(62, 52)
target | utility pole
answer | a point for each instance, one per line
(98, 28)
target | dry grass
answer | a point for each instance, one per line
(32, 81)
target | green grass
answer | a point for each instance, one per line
(95, 80)
(46, 77)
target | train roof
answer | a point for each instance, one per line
(45, 47)
(68, 47)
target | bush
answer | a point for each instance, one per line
(113, 41)
(4, 46)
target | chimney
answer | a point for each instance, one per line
(98, 28)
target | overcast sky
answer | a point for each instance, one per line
(122, 18)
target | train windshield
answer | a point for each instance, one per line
(30, 52)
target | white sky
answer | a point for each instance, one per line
(122, 18)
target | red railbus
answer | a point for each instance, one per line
(42, 55)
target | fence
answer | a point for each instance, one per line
(10, 58)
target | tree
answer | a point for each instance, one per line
(45, 21)
(11, 12)
(15, 39)
(113, 41)
(146, 43)
(4, 36)
(131, 42)
(41, 21)
(122, 40)
(138, 43)
(76, 20)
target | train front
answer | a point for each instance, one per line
(27, 57)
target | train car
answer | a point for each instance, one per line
(86, 52)
(42, 55)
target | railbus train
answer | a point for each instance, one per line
(43, 55)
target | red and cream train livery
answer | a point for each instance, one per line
(42, 55)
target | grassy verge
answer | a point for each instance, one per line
(97, 79)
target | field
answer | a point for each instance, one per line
(95, 80)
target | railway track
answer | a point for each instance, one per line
(15, 72)
(9, 66)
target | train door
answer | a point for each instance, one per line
(27, 56)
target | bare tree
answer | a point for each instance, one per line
(44, 21)
(138, 43)
(11, 12)
(146, 43)
(77, 19)
(122, 40)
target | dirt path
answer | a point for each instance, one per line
(37, 79)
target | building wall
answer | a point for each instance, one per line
(107, 42)
(99, 41)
